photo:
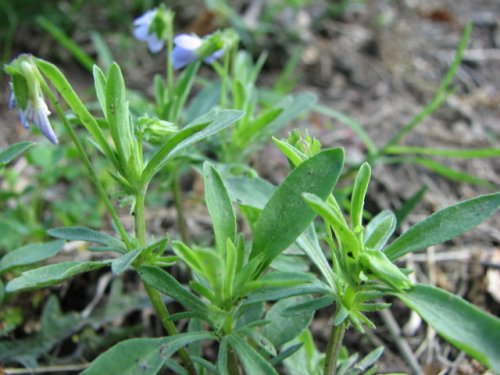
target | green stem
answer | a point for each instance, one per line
(177, 195)
(139, 217)
(93, 176)
(223, 90)
(170, 68)
(155, 297)
(164, 316)
(333, 348)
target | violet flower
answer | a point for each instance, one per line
(143, 33)
(185, 50)
(36, 112)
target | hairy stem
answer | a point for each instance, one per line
(164, 316)
(333, 348)
(155, 297)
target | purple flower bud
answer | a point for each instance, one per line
(142, 31)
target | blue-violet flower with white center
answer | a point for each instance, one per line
(143, 33)
(185, 48)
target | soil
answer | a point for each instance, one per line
(380, 62)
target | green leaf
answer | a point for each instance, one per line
(252, 361)
(118, 116)
(444, 225)
(253, 192)
(286, 215)
(220, 207)
(310, 306)
(358, 195)
(273, 293)
(285, 327)
(121, 263)
(201, 128)
(308, 242)
(88, 235)
(51, 275)
(450, 173)
(331, 216)
(11, 152)
(64, 88)
(203, 101)
(29, 254)
(379, 230)
(475, 332)
(143, 356)
(222, 357)
(450, 153)
(165, 283)
(294, 155)
(100, 87)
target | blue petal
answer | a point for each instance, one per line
(42, 122)
(154, 44)
(182, 57)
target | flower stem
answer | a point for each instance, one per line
(93, 176)
(333, 348)
(155, 297)
(170, 69)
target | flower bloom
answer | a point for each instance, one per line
(185, 48)
(36, 112)
(143, 33)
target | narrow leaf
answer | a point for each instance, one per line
(121, 263)
(201, 128)
(88, 235)
(379, 230)
(51, 275)
(100, 87)
(253, 192)
(252, 361)
(142, 356)
(284, 327)
(475, 332)
(117, 114)
(11, 152)
(308, 242)
(358, 195)
(165, 283)
(220, 207)
(286, 215)
(444, 225)
(29, 254)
